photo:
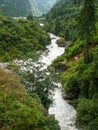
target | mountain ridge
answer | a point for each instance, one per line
(40, 7)
(15, 9)
(24, 8)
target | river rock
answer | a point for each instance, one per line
(61, 42)
(70, 96)
(61, 66)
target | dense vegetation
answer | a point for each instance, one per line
(79, 77)
(36, 80)
(62, 19)
(20, 38)
(80, 84)
(24, 97)
(19, 110)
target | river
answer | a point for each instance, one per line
(64, 113)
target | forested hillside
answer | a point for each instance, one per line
(62, 19)
(21, 109)
(16, 8)
(26, 89)
(18, 36)
(76, 21)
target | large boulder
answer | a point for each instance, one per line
(61, 42)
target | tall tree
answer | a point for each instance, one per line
(87, 26)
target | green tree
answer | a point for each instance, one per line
(57, 26)
(30, 17)
(87, 112)
(87, 26)
(19, 110)
(39, 82)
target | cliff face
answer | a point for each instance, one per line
(15, 7)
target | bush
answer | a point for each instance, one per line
(87, 111)
(20, 36)
(19, 110)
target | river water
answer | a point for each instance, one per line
(64, 113)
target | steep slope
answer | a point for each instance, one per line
(61, 19)
(40, 7)
(19, 110)
(79, 75)
(20, 38)
(15, 8)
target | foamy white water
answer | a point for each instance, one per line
(52, 52)
(64, 113)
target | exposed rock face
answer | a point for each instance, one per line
(62, 44)
(61, 66)
(15, 8)
(70, 96)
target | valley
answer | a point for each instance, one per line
(49, 65)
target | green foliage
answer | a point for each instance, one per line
(87, 22)
(80, 82)
(93, 124)
(62, 18)
(20, 38)
(86, 75)
(39, 82)
(60, 40)
(74, 49)
(19, 110)
(79, 79)
(87, 115)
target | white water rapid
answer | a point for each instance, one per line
(52, 52)
(64, 113)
